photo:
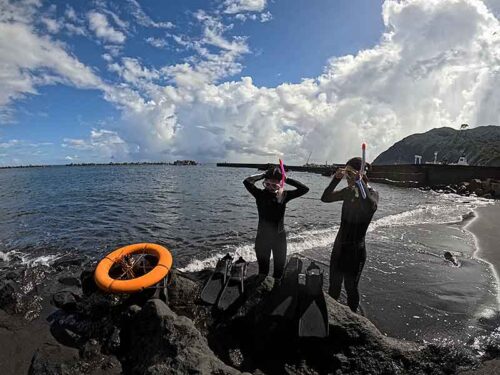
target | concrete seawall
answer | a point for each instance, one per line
(431, 174)
(407, 175)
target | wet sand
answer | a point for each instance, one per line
(486, 229)
(20, 339)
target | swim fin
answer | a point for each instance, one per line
(283, 298)
(217, 280)
(234, 287)
(313, 321)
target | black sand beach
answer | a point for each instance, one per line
(486, 229)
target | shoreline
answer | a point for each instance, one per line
(482, 228)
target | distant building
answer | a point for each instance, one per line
(185, 162)
(461, 161)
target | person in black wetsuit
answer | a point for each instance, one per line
(349, 251)
(271, 205)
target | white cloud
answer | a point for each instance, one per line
(102, 143)
(143, 19)
(21, 11)
(98, 23)
(157, 42)
(440, 71)
(72, 23)
(9, 144)
(18, 151)
(133, 72)
(117, 20)
(240, 6)
(70, 13)
(107, 57)
(213, 35)
(266, 17)
(28, 60)
(52, 25)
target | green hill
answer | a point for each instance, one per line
(480, 145)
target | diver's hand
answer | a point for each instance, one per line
(339, 173)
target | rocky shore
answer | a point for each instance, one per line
(488, 188)
(54, 320)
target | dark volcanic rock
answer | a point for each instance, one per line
(69, 260)
(87, 282)
(183, 295)
(65, 300)
(58, 360)
(70, 281)
(100, 333)
(9, 295)
(163, 342)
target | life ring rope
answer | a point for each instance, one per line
(134, 284)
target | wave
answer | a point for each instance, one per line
(28, 260)
(297, 243)
(451, 208)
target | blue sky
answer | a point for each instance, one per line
(241, 80)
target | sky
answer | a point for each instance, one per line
(239, 80)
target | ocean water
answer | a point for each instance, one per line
(202, 212)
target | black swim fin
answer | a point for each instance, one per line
(283, 298)
(313, 321)
(235, 285)
(217, 280)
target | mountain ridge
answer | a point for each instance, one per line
(481, 146)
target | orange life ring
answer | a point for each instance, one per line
(107, 283)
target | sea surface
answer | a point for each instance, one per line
(203, 212)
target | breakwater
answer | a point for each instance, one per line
(412, 175)
(322, 169)
(405, 175)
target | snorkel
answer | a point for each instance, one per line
(359, 181)
(283, 174)
(282, 182)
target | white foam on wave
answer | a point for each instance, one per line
(449, 208)
(297, 243)
(4, 257)
(492, 268)
(26, 259)
(45, 260)
(484, 343)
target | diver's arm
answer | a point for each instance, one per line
(332, 195)
(301, 189)
(249, 183)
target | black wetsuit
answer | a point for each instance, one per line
(349, 251)
(271, 230)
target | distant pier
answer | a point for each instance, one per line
(321, 169)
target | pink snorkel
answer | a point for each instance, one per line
(283, 174)
(282, 182)
(362, 171)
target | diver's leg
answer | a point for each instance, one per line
(279, 255)
(351, 287)
(351, 282)
(336, 276)
(263, 252)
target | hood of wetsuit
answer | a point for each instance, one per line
(273, 173)
(356, 164)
